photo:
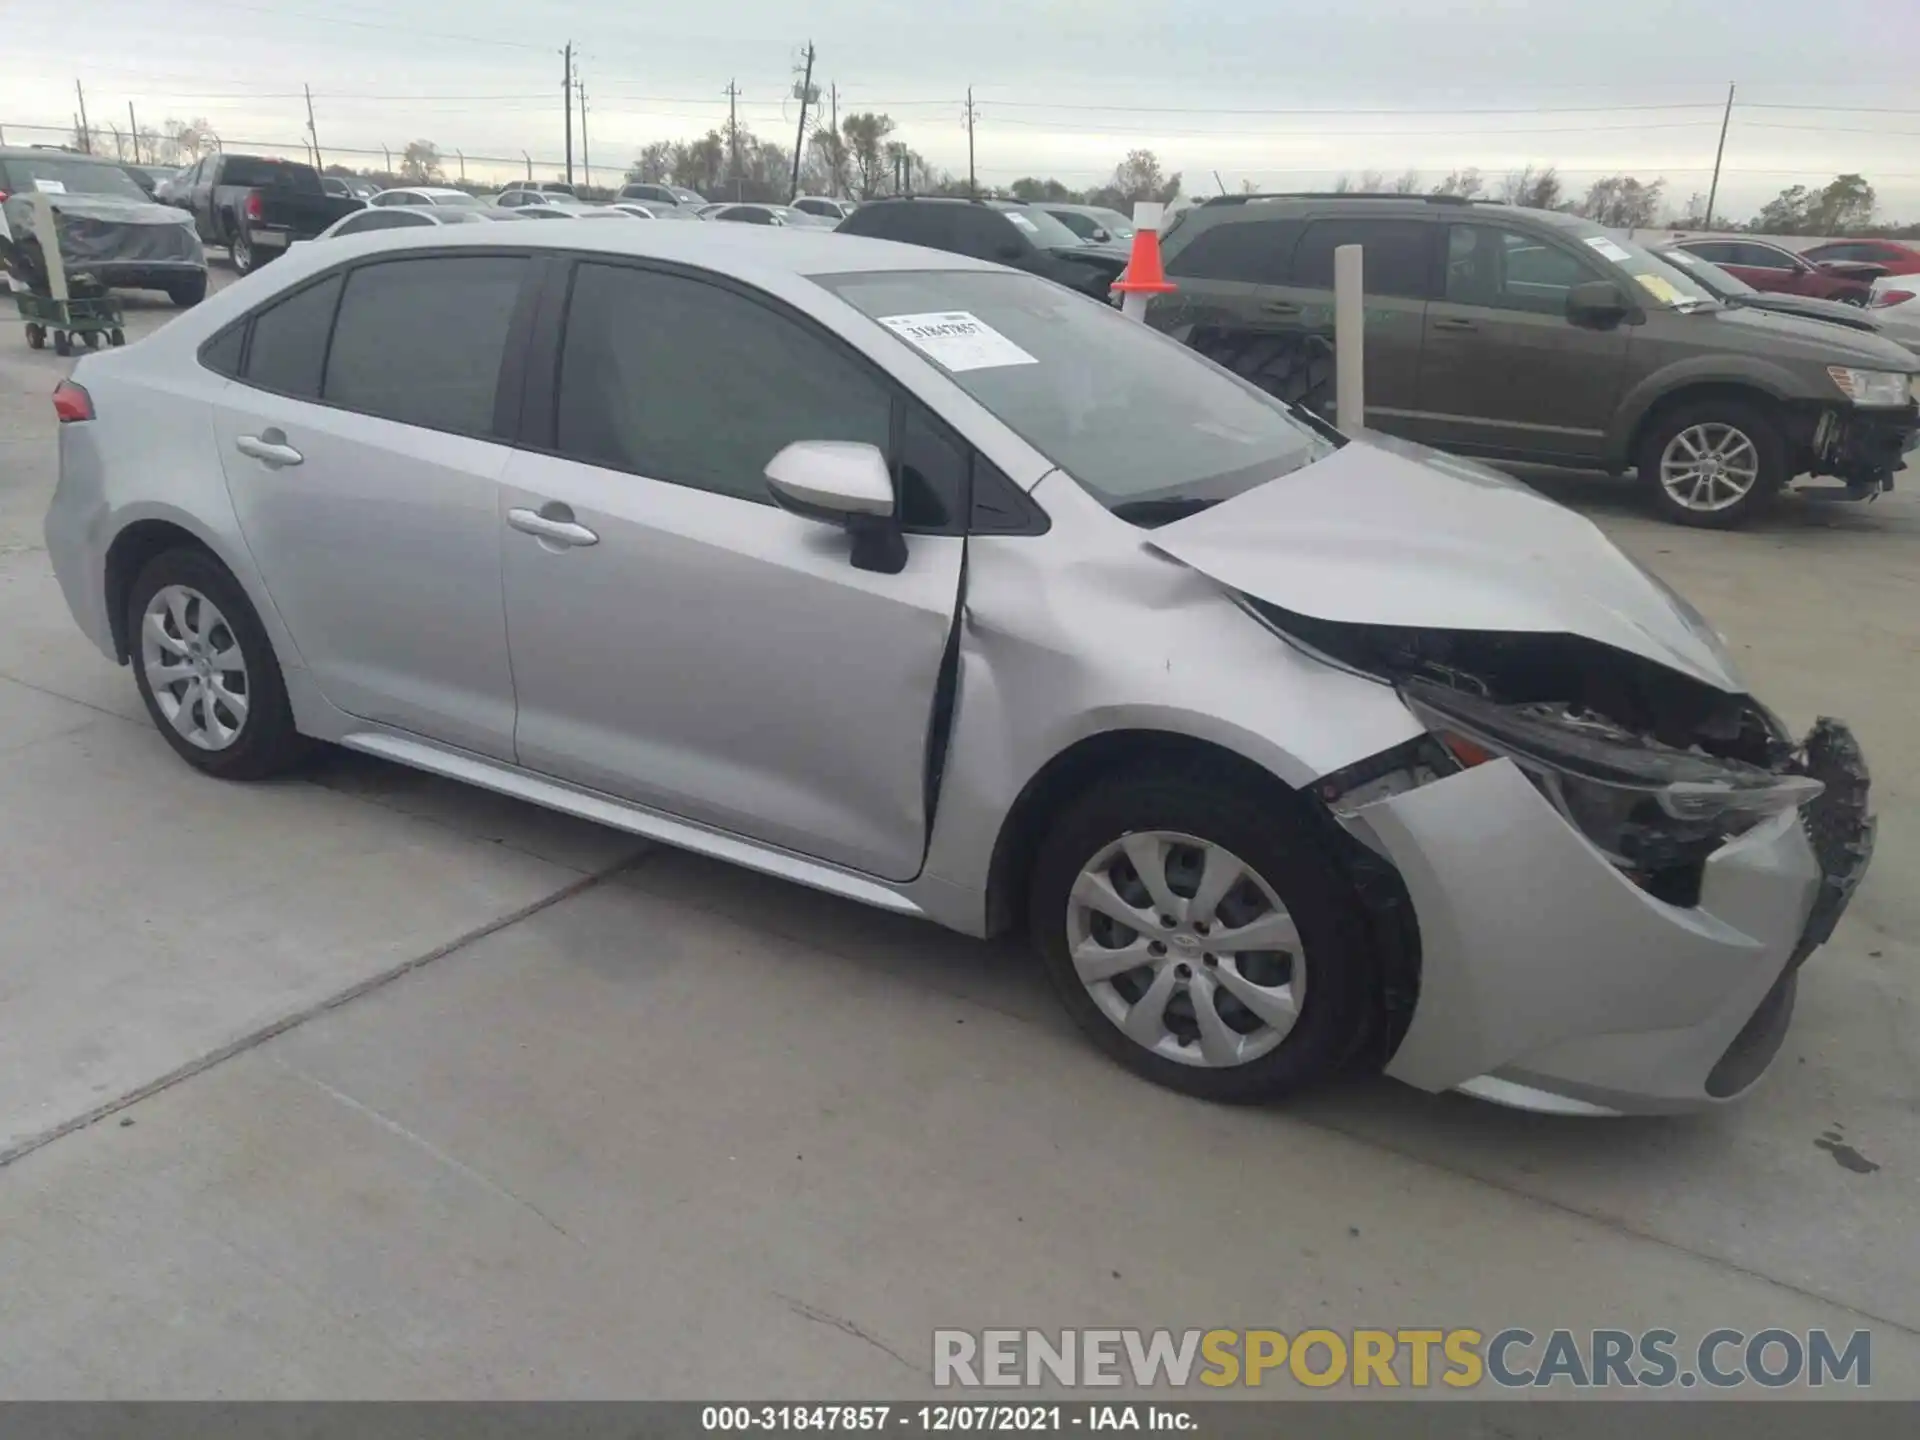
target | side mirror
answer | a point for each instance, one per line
(1100, 235)
(843, 483)
(1598, 303)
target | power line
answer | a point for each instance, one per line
(1315, 132)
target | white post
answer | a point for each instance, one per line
(49, 236)
(1349, 339)
(1146, 216)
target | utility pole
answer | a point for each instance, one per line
(389, 154)
(800, 134)
(310, 130)
(463, 165)
(86, 135)
(1714, 189)
(586, 158)
(733, 135)
(972, 191)
(133, 128)
(566, 96)
(529, 160)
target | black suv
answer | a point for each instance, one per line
(1005, 231)
(1533, 335)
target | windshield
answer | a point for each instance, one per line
(58, 175)
(1149, 428)
(1721, 282)
(1115, 224)
(1665, 285)
(1039, 226)
(457, 199)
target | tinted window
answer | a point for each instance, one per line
(1719, 252)
(1397, 255)
(984, 233)
(420, 341)
(222, 353)
(1510, 270)
(691, 383)
(1257, 252)
(1764, 257)
(931, 474)
(289, 343)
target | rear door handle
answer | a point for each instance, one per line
(1450, 322)
(269, 447)
(553, 522)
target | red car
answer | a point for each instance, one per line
(1890, 255)
(1766, 266)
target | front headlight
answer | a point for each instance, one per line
(1872, 387)
(1647, 807)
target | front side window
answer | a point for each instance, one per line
(695, 384)
(1149, 428)
(289, 342)
(1511, 270)
(421, 340)
(1765, 257)
(1396, 260)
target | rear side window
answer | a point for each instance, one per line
(222, 353)
(421, 341)
(380, 220)
(1398, 261)
(1254, 252)
(289, 342)
(245, 170)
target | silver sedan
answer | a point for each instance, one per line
(923, 582)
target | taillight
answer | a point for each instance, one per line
(3, 197)
(72, 402)
(253, 206)
(1891, 297)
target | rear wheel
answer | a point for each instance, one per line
(188, 293)
(1198, 934)
(240, 248)
(1713, 463)
(36, 336)
(206, 670)
(62, 343)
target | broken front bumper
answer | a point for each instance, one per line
(1550, 980)
(1865, 447)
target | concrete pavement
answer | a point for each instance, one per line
(602, 1120)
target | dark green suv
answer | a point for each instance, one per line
(1531, 335)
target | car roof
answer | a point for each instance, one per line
(750, 252)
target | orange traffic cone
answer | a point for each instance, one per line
(1144, 274)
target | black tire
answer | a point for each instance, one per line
(116, 337)
(268, 744)
(185, 294)
(1285, 846)
(240, 250)
(92, 339)
(36, 337)
(1746, 417)
(62, 343)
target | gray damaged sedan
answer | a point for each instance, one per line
(929, 584)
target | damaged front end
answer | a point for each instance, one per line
(1863, 448)
(1615, 869)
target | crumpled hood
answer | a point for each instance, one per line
(1385, 532)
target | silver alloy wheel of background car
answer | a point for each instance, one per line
(193, 664)
(240, 250)
(1710, 466)
(1186, 949)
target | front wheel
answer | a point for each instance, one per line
(185, 294)
(1199, 934)
(1713, 463)
(207, 671)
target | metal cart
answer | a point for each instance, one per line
(83, 317)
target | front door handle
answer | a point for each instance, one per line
(552, 522)
(1453, 322)
(270, 448)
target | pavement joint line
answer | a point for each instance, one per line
(70, 699)
(259, 1036)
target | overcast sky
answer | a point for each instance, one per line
(1063, 87)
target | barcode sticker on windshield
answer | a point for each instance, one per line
(1607, 248)
(956, 340)
(50, 187)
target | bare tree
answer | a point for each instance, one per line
(865, 136)
(420, 162)
(1534, 189)
(1622, 202)
(654, 164)
(1408, 183)
(1372, 182)
(1468, 184)
(1139, 177)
